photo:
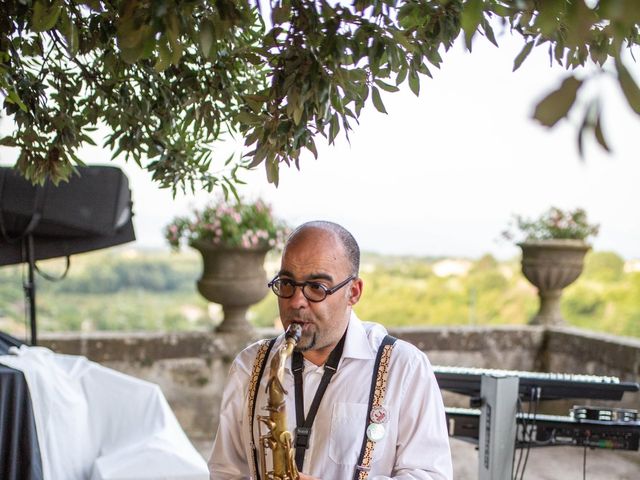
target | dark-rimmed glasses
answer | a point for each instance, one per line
(312, 291)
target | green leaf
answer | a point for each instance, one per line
(488, 31)
(629, 86)
(281, 14)
(402, 39)
(249, 118)
(414, 82)
(92, 4)
(600, 135)
(422, 68)
(73, 40)
(402, 75)
(334, 128)
(272, 167)
(386, 87)
(15, 98)
(176, 54)
(258, 157)
(8, 141)
(377, 100)
(45, 17)
(557, 104)
(522, 55)
(206, 37)
(172, 30)
(129, 33)
(581, 131)
(87, 139)
(297, 114)
(470, 20)
(311, 145)
(164, 57)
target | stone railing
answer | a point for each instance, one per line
(191, 367)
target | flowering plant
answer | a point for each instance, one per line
(243, 225)
(553, 224)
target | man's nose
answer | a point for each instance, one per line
(298, 299)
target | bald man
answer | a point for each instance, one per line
(360, 405)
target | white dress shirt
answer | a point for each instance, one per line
(415, 444)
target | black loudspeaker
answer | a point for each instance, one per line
(96, 201)
(93, 210)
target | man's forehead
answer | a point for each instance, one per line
(314, 250)
(314, 238)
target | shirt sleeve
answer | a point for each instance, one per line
(229, 458)
(422, 450)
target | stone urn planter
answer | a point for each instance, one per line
(551, 265)
(234, 278)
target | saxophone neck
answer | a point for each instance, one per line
(291, 338)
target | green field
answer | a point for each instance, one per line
(128, 290)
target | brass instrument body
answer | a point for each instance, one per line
(277, 438)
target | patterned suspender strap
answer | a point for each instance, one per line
(376, 397)
(256, 375)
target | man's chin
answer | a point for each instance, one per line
(307, 342)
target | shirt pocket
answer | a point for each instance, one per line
(348, 424)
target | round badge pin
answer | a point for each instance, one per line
(375, 432)
(379, 414)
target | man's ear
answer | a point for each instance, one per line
(355, 291)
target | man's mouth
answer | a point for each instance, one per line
(305, 324)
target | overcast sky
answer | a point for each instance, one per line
(441, 174)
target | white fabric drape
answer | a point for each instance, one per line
(94, 423)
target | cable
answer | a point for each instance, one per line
(25, 300)
(584, 462)
(51, 278)
(524, 429)
(537, 391)
(25, 288)
(525, 432)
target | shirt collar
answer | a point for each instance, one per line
(356, 345)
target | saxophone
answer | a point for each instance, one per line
(277, 438)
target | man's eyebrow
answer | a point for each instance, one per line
(312, 276)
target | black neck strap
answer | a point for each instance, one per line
(303, 426)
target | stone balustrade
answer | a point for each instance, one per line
(191, 367)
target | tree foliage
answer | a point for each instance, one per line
(170, 77)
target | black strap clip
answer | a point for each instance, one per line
(302, 437)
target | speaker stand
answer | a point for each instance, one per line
(30, 288)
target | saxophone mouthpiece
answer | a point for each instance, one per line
(294, 332)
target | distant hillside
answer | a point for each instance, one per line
(123, 289)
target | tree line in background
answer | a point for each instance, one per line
(119, 290)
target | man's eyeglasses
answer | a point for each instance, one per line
(312, 291)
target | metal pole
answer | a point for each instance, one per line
(497, 427)
(30, 289)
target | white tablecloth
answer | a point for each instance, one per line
(94, 423)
